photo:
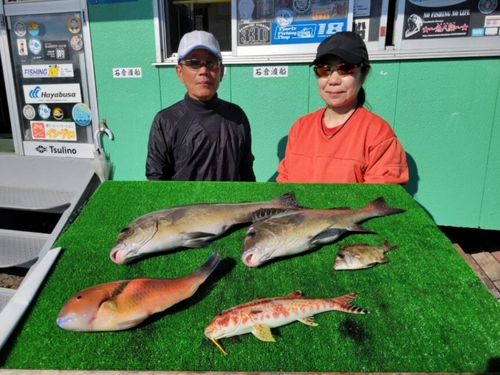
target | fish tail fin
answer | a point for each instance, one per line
(344, 304)
(289, 201)
(207, 268)
(382, 207)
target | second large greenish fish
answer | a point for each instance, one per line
(195, 225)
(294, 232)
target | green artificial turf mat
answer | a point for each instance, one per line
(429, 311)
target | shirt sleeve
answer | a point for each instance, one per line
(283, 166)
(387, 163)
(159, 161)
(246, 165)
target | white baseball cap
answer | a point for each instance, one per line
(198, 39)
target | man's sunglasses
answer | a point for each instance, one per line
(197, 64)
(342, 69)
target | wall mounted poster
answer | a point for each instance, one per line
(450, 18)
(285, 22)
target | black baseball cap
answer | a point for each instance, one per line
(345, 44)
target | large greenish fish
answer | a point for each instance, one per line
(294, 232)
(195, 225)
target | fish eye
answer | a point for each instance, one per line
(251, 234)
(341, 256)
(79, 297)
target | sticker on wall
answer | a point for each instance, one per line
(47, 71)
(56, 50)
(301, 6)
(487, 6)
(245, 9)
(20, 29)
(270, 71)
(81, 114)
(284, 17)
(77, 42)
(63, 93)
(22, 48)
(492, 21)
(29, 112)
(35, 46)
(33, 28)
(127, 72)
(44, 111)
(50, 130)
(74, 25)
(58, 114)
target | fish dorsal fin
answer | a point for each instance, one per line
(263, 332)
(288, 200)
(264, 213)
(295, 293)
(309, 320)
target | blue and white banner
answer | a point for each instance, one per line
(67, 93)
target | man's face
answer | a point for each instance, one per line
(202, 83)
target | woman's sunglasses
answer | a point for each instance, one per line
(342, 69)
(197, 64)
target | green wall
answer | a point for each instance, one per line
(446, 113)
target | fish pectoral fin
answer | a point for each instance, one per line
(309, 320)
(110, 304)
(198, 239)
(175, 214)
(359, 228)
(263, 332)
(328, 235)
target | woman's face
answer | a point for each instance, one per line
(340, 91)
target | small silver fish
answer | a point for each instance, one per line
(194, 225)
(294, 232)
(361, 256)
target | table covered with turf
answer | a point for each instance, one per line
(429, 311)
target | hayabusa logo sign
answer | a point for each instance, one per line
(35, 93)
(66, 93)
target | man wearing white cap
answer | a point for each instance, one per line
(202, 137)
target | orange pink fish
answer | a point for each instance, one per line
(120, 305)
(260, 315)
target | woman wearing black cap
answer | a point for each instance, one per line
(344, 142)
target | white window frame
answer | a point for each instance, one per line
(305, 53)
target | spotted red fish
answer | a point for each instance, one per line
(260, 315)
